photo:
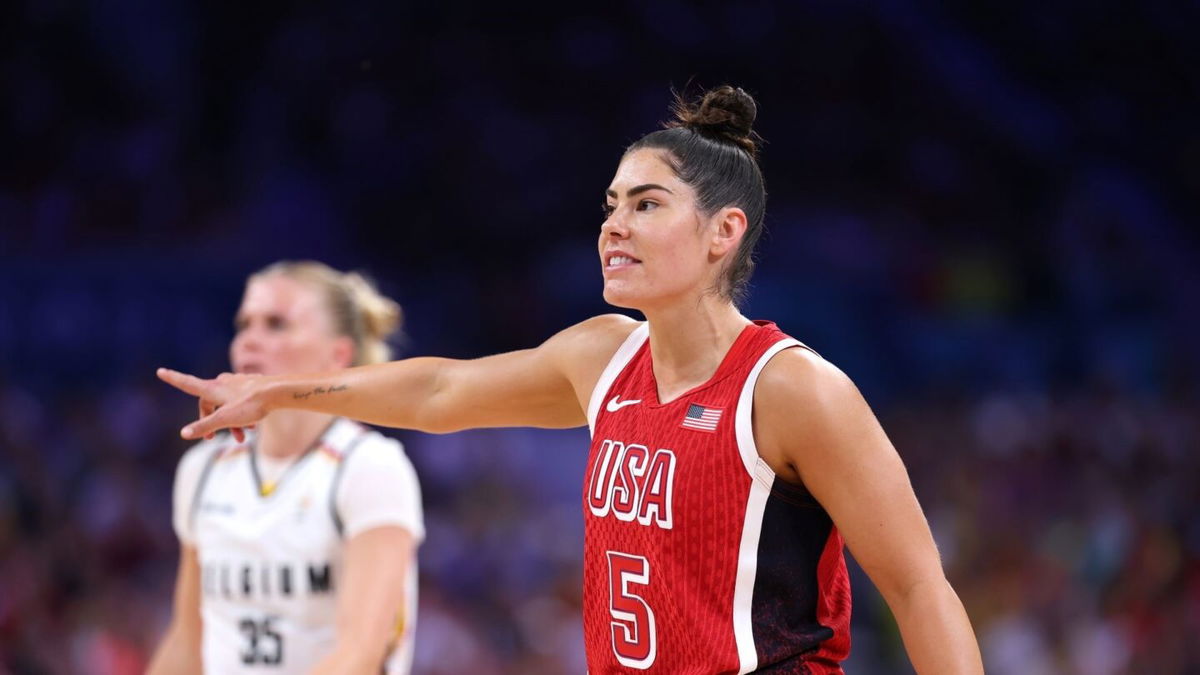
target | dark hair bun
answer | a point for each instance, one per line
(725, 113)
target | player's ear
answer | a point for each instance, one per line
(729, 227)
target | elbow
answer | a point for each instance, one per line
(920, 591)
(435, 414)
(434, 425)
(432, 417)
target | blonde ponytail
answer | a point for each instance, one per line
(380, 316)
(357, 309)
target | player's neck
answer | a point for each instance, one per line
(287, 433)
(689, 340)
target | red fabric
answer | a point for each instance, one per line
(691, 552)
(833, 608)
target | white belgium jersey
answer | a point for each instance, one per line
(269, 538)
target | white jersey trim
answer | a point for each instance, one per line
(762, 478)
(190, 476)
(620, 359)
(747, 570)
(743, 423)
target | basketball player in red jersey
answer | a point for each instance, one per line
(728, 462)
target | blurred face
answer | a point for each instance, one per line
(654, 243)
(283, 327)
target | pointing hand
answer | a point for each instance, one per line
(229, 401)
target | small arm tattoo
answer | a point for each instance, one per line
(302, 395)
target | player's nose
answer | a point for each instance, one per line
(615, 227)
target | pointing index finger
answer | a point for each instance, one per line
(182, 381)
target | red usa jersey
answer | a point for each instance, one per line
(697, 559)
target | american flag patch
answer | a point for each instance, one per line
(701, 418)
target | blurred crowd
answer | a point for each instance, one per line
(984, 214)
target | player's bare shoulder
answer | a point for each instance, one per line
(800, 398)
(583, 350)
(802, 376)
(594, 339)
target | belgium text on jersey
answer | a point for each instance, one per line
(262, 580)
(632, 484)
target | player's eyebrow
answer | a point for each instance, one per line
(637, 190)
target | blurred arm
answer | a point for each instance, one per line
(543, 387)
(817, 429)
(179, 651)
(371, 593)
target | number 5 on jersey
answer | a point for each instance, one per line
(633, 637)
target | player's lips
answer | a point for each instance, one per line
(619, 259)
(248, 369)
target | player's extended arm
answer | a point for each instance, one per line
(814, 420)
(543, 387)
(370, 595)
(179, 651)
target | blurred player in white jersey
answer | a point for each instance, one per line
(297, 543)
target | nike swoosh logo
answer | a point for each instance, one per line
(614, 405)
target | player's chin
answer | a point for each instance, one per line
(619, 294)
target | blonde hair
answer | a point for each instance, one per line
(358, 310)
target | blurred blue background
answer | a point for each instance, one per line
(986, 215)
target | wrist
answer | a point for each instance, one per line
(275, 392)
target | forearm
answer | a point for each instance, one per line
(346, 660)
(936, 631)
(176, 654)
(397, 394)
(179, 651)
(529, 387)
(373, 592)
(437, 395)
(362, 640)
(364, 632)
